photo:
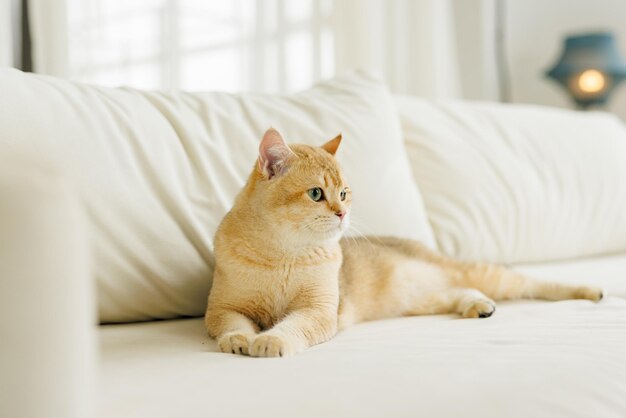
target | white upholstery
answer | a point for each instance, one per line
(531, 359)
(47, 315)
(518, 183)
(157, 172)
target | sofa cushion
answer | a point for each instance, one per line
(531, 359)
(156, 172)
(518, 183)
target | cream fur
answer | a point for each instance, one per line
(285, 280)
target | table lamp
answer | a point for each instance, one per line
(590, 68)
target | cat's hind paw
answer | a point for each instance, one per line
(590, 293)
(482, 308)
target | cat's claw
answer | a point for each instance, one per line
(234, 343)
(270, 346)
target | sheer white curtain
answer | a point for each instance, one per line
(259, 45)
(411, 43)
(49, 37)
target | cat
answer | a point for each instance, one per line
(285, 280)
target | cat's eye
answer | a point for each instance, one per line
(342, 195)
(316, 194)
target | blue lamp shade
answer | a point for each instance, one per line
(590, 68)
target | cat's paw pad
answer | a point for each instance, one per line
(271, 346)
(590, 293)
(234, 343)
(482, 308)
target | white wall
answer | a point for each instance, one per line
(536, 29)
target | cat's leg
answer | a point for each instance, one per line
(298, 330)
(501, 283)
(469, 303)
(496, 281)
(233, 331)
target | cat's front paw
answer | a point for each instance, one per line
(234, 343)
(271, 346)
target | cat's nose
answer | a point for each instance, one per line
(341, 214)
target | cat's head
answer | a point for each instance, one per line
(300, 190)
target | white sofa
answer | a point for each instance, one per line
(121, 191)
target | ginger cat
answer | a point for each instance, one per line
(285, 280)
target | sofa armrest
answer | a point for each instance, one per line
(47, 315)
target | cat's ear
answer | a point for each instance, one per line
(332, 145)
(273, 154)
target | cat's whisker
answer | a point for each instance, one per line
(354, 240)
(361, 235)
(368, 238)
(358, 241)
(315, 221)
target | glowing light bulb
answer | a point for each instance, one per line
(591, 81)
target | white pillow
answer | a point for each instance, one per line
(157, 172)
(512, 183)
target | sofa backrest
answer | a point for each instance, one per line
(513, 183)
(157, 172)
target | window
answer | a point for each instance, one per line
(234, 45)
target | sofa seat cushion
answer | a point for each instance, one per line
(157, 172)
(517, 183)
(531, 359)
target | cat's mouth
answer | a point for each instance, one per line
(329, 228)
(331, 231)
(344, 224)
(339, 227)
